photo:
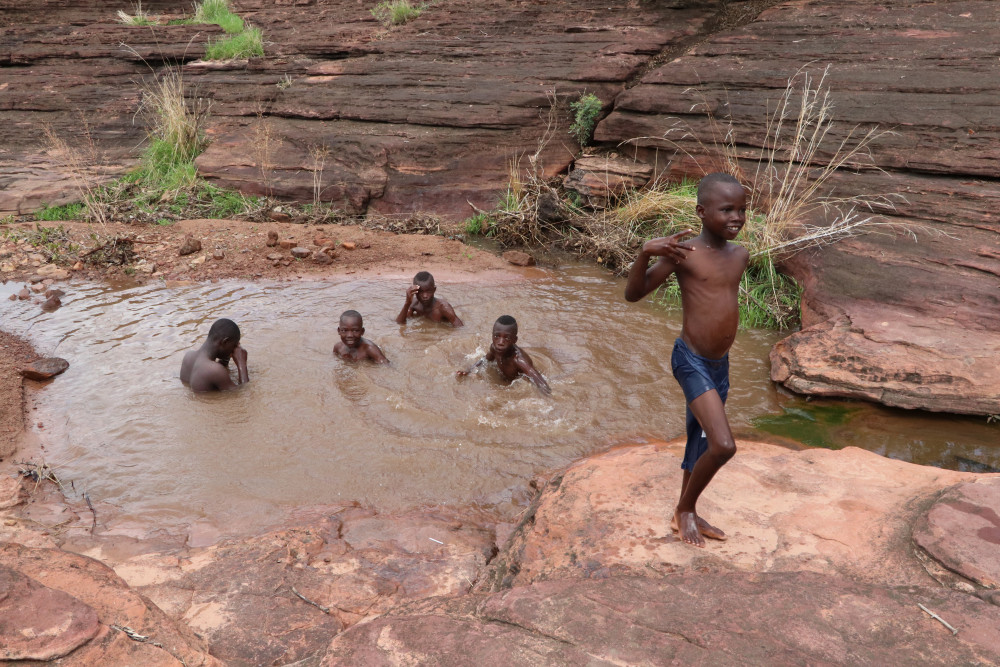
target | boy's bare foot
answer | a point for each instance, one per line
(704, 527)
(687, 523)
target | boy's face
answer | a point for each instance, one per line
(351, 331)
(724, 210)
(504, 337)
(425, 291)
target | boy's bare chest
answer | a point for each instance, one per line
(710, 267)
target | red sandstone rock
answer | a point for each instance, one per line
(38, 623)
(348, 245)
(518, 258)
(51, 304)
(190, 246)
(717, 618)
(837, 512)
(45, 369)
(287, 243)
(299, 252)
(962, 530)
(603, 178)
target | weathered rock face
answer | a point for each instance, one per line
(842, 513)
(280, 597)
(419, 117)
(922, 70)
(717, 618)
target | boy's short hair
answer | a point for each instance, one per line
(506, 321)
(223, 328)
(423, 277)
(351, 314)
(706, 184)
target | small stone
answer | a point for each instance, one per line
(50, 271)
(299, 252)
(24, 294)
(37, 288)
(272, 239)
(51, 304)
(200, 259)
(45, 369)
(321, 240)
(348, 245)
(218, 254)
(278, 216)
(321, 257)
(275, 257)
(518, 258)
(190, 246)
(12, 297)
(78, 266)
(49, 293)
(35, 278)
(288, 243)
(365, 245)
(146, 267)
(7, 267)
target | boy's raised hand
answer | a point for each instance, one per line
(411, 292)
(669, 246)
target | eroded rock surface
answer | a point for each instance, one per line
(909, 316)
(846, 513)
(716, 618)
(962, 531)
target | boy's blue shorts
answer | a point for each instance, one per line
(696, 375)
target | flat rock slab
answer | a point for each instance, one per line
(847, 512)
(716, 618)
(45, 369)
(962, 531)
(39, 623)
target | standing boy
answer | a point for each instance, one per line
(207, 368)
(420, 302)
(352, 346)
(510, 359)
(708, 270)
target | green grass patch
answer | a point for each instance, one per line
(75, 211)
(586, 111)
(396, 12)
(247, 44)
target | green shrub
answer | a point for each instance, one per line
(247, 44)
(75, 211)
(211, 11)
(395, 12)
(477, 224)
(586, 110)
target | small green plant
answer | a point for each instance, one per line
(247, 44)
(164, 222)
(395, 12)
(586, 111)
(477, 224)
(75, 211)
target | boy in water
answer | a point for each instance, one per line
(420, 302)
(510, 359)
(207, 368)
(708, 270)
(352, 347)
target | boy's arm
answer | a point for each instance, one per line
(411, 292)
(449, 314)
(642, 278)
(240, 357)
(375, 353)
(475, 366)
(523, 363)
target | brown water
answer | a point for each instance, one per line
(310, 429)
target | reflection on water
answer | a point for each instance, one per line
(310, 429)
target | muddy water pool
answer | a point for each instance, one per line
(310, 429)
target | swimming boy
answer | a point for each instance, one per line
(352, 347)
(708, 270)
(421, 302)
(510, 359)
(207, 368)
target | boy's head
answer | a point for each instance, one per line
(722, 204)
(351, 328)
(425, 282)
(504, 333)
(225, 335)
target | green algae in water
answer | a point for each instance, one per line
(811, 425)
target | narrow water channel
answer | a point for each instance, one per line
(310, 429)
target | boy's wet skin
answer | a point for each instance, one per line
(353, 346)
(511, 360)
(708, 269)
(421, 302)
(207, 368)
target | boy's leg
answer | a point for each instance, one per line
(710, 412)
